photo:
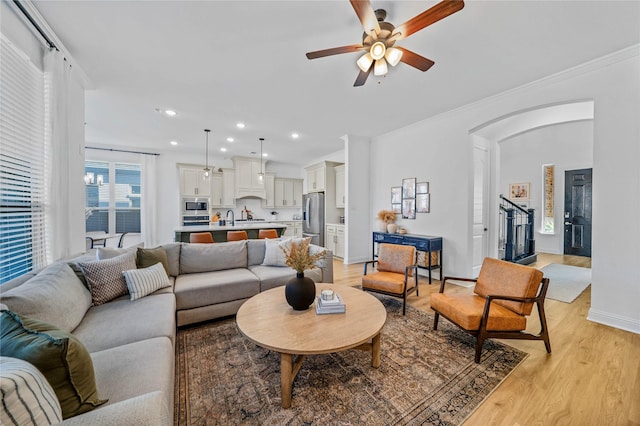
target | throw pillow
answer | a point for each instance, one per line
(60, 357)
(273, 254)
(55, 295)
(148, 257)
(103, 253)
(27, 397)
(105, 277)
(142, 282)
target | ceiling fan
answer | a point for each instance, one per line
(380, 37)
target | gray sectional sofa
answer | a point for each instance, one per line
(132, 343)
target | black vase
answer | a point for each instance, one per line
(300, 292)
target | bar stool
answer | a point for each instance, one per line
(237, 235)
(267, 233)
(201, 238)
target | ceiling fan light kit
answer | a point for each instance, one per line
(207, 170)
(380, 36)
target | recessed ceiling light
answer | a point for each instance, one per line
(223, 149)
(230, 139)
(264, 154)
(174, 143)
(240, 125)
(170, 112)
(295, 135)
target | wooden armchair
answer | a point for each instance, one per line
(503, 298)
(396, 265)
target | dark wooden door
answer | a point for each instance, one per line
(577, 212)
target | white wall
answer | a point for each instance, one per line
(439, 150)
(568, 146)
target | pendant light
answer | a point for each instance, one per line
(207, 170)
(261, 174)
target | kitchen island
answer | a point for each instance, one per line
(181, 234)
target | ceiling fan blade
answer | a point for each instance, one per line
(428, 17)
(415, 60)
(362, 77)
(334, 51)
(366, 15)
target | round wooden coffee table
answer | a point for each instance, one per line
(270, 322)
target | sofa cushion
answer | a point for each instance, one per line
(255, 252)
(208, 288)
(55, 295)
(173, 257)
(195, 258)
(151, 316)
(142, 282)
(59, 355)
(134, 369)
(103, 253)
(148, 257)
(27, 397)
(273, 251)
(275, 276)
(105, 277)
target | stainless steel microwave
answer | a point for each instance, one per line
(192, 205)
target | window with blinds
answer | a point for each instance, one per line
(22, 163)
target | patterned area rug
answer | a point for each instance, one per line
(426, 377)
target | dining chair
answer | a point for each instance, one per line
(267, 233)
(201, 238)
(237, 235)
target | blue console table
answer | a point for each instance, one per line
(424, 243)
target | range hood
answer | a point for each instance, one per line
(254, 193)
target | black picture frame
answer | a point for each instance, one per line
(396, 207)
(422, 188)
(409, 208)
(396, 195)
(408, 188)
(423, 203)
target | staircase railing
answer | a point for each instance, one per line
(516, 242)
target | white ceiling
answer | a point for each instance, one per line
(220, 62)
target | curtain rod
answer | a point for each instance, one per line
(35, 25)
(121, 150)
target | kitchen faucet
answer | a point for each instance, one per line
(233, 217)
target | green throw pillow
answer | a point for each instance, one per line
(149, 257)
(59, 356)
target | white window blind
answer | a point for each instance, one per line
(22, 163)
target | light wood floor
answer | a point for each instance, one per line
(592, 376)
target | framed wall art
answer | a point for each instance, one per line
(409, 208)
(519, 191)
(396, 208)
(422, 188)
(396, 195)
(409, 188)
(423, 204)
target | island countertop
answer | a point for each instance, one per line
(182, 233)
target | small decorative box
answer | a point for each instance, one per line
(327, 294)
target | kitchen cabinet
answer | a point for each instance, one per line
(269, 187)
(334, 240)
(340, 185)
(223, 189)
(248, 182)
(316, 178)
(294, 229)
(288, 193)
(193, 183)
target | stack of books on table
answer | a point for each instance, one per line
(333, 306)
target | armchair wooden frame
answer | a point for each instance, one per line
(483, 334)
(405, 291)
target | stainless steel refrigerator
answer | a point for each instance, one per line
(313, 217)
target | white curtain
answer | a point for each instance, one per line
(57, 209)
(149, 207)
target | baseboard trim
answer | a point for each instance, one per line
(616, 321)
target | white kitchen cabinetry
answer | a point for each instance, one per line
(288, 193)
(248, 182)
(193, 183)
(316, 178)
(294, 229)
(334, 240)
(269, 187)
(340, 193)
(223, 189)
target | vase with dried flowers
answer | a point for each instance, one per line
(387, 219)
(300, 291)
